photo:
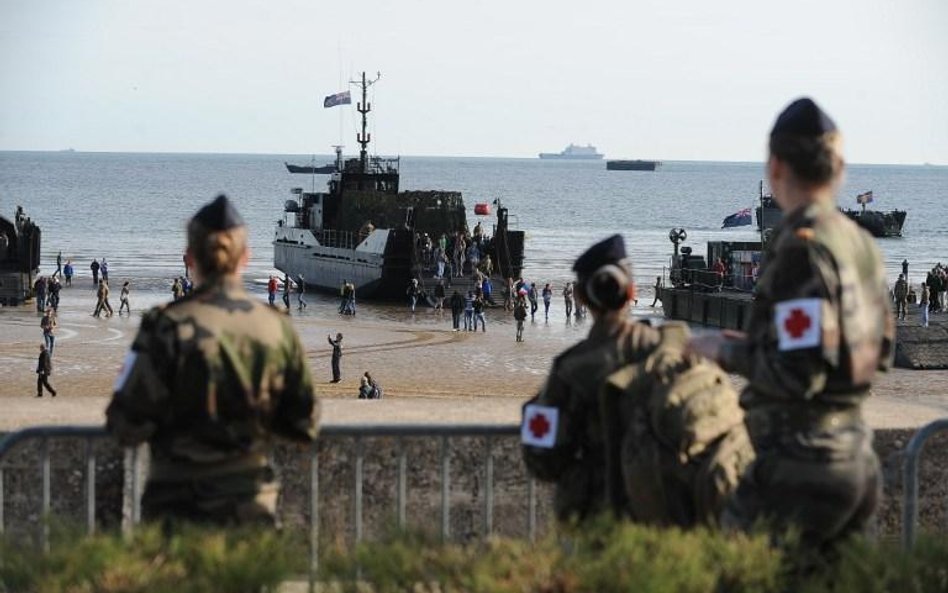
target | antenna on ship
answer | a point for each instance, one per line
(364, 107)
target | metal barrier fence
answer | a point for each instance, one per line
(358, 433)
(910, 478)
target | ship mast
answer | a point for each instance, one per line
(364, 108)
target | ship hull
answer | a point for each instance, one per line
(570, 157)
(636, 165)
(882, 224)
(380, 267)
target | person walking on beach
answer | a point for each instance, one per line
(658, 290)
(39, 289)
(900, 294)
(439, 294)
(68, 272)
(457, 309)
(208, 382)
(52, 290)
(271, 290)
(94, 266)
(547, 297)
(568, 299)
(821, 326)
(509, 295)
(412, 292)
(469, 311)
(923, 304)
(520, 315)
(534, 304)
(336, 356)
(286, 291)
(905, 269)
(44, 368)
(479, 313)
(104, 270)
(59, 265)
(101, 296)
(48, 325)
(300, 291)
(123, 299)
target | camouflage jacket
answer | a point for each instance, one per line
(208, 379)
(821, 324)
(572, 453)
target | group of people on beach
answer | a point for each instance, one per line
(931, 297)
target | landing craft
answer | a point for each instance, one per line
(364, 230)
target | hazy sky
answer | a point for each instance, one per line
(666, 79)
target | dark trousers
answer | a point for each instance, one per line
(42, 380)
(336, 372)
(456, 319)
(825, 500)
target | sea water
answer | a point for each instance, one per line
(132, 208)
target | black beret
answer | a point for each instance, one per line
(607, 251)
(219, 215)
(803, 117)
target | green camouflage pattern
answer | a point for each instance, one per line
(209, 379)
(815, 468)
(576, 462)
(674, 433)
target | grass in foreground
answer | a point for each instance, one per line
(604, 558)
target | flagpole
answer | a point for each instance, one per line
(760, 226)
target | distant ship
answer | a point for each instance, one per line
(574, 152)
(636, 165)
(311, 169)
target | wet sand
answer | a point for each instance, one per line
(429, 373)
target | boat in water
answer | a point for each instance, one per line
(311, 169)
(636, 165)
(365, 230)
(881, 224)
(574, 152)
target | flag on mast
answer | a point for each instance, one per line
(864, 198)
(739, 218)
(338, 99)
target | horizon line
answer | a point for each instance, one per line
(450, 156)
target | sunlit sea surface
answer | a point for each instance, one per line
(132, 208)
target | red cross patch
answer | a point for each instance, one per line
(539, 426)
(798, 323)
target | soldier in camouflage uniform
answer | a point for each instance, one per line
(207, 381)
(821, 326)
(562, 429)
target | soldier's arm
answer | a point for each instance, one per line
(552, 420)
(140, 398)
(296, 416)
(785, 359)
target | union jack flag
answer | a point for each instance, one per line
(338, 99)
(739, 218)
(864, 198)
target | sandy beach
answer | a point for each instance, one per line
(429, 372)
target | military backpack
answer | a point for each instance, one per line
(675, 438)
